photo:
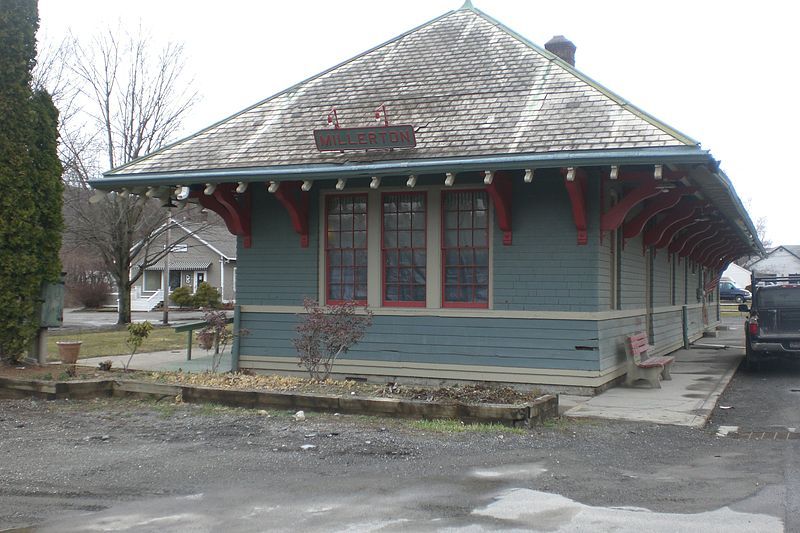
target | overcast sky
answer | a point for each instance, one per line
(722, 72)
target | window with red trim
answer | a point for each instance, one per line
(346, 248)
(403, 249)
(465, 249)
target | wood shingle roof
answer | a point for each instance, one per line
(469, 86)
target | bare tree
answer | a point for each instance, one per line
(122, 101)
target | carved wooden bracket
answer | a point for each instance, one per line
(235, 212)
(615, 216)
(711, 253)
(635, 226)
(576, 188)
(499, 191)
(296, 202)
(691, 244)
(690, 236)
(672, 222)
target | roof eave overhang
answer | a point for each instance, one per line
(687, 155)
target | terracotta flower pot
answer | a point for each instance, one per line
(68, 351)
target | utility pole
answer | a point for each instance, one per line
(165, 284)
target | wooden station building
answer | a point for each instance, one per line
(505, 217)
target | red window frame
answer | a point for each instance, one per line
(329, 249)
(423, 248)
(472, 304)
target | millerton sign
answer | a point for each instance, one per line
(375, 138)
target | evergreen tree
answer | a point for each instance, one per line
(30, 181)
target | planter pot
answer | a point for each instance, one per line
(68, 351)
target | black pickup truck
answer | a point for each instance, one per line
(772, 328)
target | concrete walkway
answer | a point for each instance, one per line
(164, 361)
(699, 376)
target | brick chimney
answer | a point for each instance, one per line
(563, 48)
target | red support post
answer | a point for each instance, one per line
(500, 191)
(576, 189)
(295, 201)
(634, 227)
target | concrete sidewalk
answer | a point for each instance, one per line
(699, 376)
(165, 361)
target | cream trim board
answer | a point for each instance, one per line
(474, 313)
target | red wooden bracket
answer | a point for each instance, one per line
(699, 241)
(500, 191)
(671, 223)
(296, 201)
(712, 253)
(690, 236)
(635, 226)
(577, 196)
(712, 283)
(615, 216)
(234, 212)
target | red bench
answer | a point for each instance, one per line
(648, 368)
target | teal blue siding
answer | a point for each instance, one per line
(661, 279)
(632, 282)
(544, 269)
(504, 342)
(613, 335)
(275, 270)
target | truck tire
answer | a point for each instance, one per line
(739, 299)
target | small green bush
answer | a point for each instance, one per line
(182, 296)
(207, 296)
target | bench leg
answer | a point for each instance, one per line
(649, 374)
(665, 373)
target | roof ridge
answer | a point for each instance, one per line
(284, 91)
(625, 104)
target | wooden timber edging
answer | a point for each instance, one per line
(531, 413)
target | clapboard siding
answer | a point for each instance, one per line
(667, 331)
(632, 278)
(662, 280)
(276, 270)
(612, 336)
(524, 343)
(544, 269)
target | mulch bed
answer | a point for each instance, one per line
(467, 394)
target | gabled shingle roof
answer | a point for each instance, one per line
(469, 85)
(216, 237)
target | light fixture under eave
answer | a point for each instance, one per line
(375, 183)
(124, 193)
(570, 173)
(488, 176)
(151, 192)
(411, 181)
(449, 179)
(614, 174)
(182, 193)
(340, 183)
(273, 186)
(306, 186)
(242, 187)
(210, 188)
(528, 178)
(658, 172)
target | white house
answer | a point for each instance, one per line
(739, 275)
(781, 261)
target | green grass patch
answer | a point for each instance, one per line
(102, 343)
(457, 426)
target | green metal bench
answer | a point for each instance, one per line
(190, 327)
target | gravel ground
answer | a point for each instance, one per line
(64, 459)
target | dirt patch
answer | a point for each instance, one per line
(467, 394)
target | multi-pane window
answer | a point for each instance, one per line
(465, 249)
(403, 249)
(346, 248)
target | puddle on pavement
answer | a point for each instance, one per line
(553, 512)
